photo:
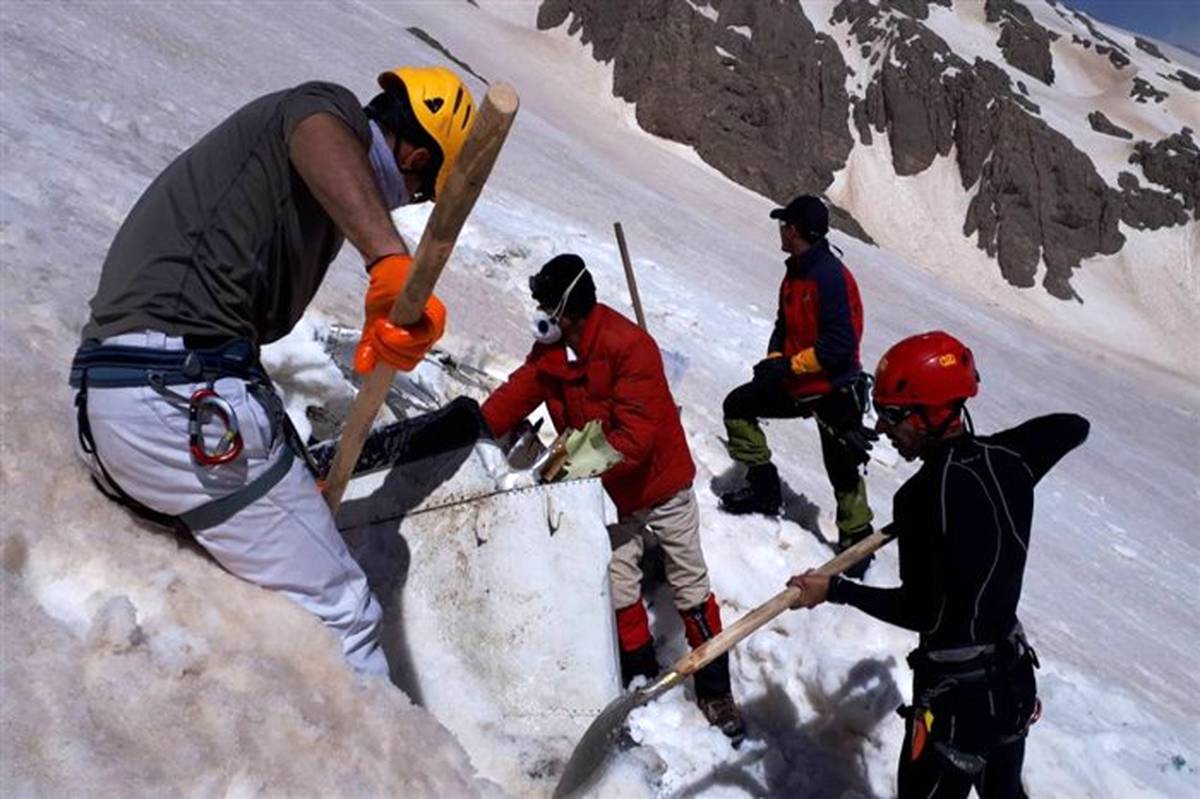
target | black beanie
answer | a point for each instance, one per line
(553, 279)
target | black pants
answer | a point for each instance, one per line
(762, 399)
(977, 739)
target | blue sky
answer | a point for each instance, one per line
(1173, 21)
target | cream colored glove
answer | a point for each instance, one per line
(589, 453)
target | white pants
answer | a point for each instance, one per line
(286, 541)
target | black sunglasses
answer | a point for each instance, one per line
(894, 414)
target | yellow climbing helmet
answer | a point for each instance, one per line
(442, 105)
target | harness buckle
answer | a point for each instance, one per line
(203, 405)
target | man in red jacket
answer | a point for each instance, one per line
(590, 362)
(812, 368)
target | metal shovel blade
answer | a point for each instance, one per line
(593, 748)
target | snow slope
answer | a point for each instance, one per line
(134, 665)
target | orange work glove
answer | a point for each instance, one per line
(399, 346)
(805, 362)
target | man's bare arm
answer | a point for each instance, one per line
(332, 162)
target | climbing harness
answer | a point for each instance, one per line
(99, 365)
(201, 407)
(948, 670)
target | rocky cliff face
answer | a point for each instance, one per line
(777, 103)
(772, 113)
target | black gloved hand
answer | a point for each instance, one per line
(772, 370)
(841, 413)
(859, 441)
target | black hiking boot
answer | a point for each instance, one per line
(641, 662)
(722, 712)
(761, 494)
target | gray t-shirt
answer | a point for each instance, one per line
(228, 242)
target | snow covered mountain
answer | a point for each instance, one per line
(131, 665)
(1028, 130)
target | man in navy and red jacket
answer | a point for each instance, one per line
(812, 368)
(590, 362)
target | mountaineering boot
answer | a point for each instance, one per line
(761, 494)
(635, 643)
(641, 662)
(722, 712)
(713, 694)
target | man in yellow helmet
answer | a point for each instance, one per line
(223, 253)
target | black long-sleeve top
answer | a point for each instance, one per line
(963, 522)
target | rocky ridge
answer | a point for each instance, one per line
(1102, 124)
(770, 100)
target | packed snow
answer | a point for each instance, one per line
(133, 665)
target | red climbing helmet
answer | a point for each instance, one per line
(934, 372)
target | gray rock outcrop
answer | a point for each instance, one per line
(1143, 90)
(1149, 47)
(776, 119)
(1117, 55)
(1146, 208)
(1174, 163)
(1102, 124)
(744, 102)
(1025, 43)
(1189, 80)
(1038, 197)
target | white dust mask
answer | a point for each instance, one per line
(544, 326)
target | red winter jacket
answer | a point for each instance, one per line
(819, 306)
(618, 379)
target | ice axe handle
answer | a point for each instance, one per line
(449, 215)
(629, 278)
(710, 650)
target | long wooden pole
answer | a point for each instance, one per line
(633, 289)
(449, 214)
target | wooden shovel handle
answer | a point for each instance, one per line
(454, 203)
(713, 648)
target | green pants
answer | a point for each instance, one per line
(752, 401)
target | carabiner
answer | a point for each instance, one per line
(230, 444)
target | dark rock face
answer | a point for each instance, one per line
(1102, 124)
(1118, 56)
(1025, 43)
(1189, 80)
(1148, 209)
(1142, 91)
(1038, 196)
(1173, 162)
(772, 111)
(774, 116)
(1149, 47)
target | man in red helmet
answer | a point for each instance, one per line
(591, 363)
(223, 252)
(963, 522)
(812, 369)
